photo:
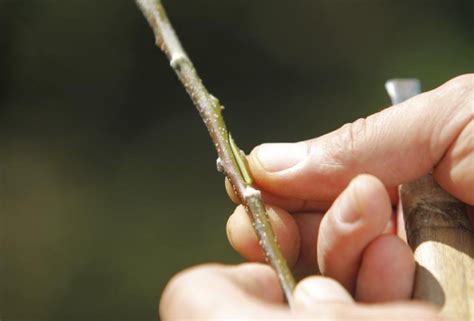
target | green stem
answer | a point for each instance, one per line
(230, 160)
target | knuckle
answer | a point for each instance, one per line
(465, 81)
(462, 85)
(351, 137)
(454, 104)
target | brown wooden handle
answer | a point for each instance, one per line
(440, 234)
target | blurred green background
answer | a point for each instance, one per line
(107, 176)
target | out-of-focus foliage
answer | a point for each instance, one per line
(107, 177)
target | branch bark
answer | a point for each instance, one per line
(231, 159)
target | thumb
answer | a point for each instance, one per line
(214, 291)
(433, 130)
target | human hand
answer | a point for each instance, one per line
(251, 291)
(399, 144)
(434, 129)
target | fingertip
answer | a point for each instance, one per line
(314, 290)
(280, 169)
(259, 174)
(259, 280)
(179, 290)
(242, 237)
(371, 197)
(220, 291)
(231, 192)
(254, 163)
(278, 157)
(364, 202)
(386, 272)
(244, 240)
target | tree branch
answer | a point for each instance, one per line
(231, 159)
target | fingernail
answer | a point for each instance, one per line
(281, 156)
(350, 209)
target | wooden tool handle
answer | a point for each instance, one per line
(440, 234)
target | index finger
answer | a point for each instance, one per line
(397, 145)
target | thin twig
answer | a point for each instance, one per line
(231, 159)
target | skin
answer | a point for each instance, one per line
(332, 211)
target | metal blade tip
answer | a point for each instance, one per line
(400, 90)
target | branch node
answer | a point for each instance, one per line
(219, 166)
(250, 192)
(177, 60)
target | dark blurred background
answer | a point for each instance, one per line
(107, 176)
